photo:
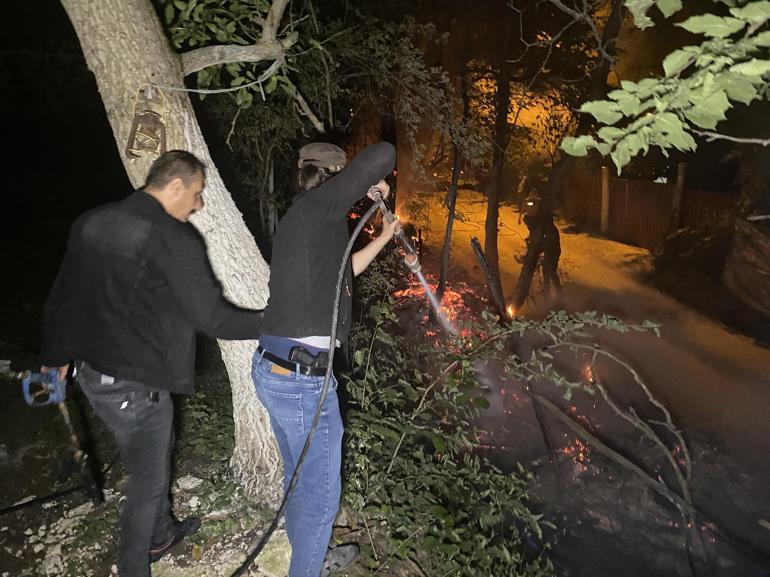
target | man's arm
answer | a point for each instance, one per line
(200, 294)
(334, 197)
(364, 257)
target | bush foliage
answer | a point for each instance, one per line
(411, 465)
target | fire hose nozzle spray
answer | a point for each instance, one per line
(413, 264)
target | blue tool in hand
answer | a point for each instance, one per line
(45, 388)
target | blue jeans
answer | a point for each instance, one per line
(291, 401)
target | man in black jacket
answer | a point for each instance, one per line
(134, 286)
(290, 363)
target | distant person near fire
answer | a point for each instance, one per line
(543, 240)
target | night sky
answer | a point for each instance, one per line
(59, 157)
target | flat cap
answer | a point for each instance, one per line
(323, 154)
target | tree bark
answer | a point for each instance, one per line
(494, 287)
(451, 200)
(501, 138)
(125, 47)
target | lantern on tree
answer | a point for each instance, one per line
(148, 133)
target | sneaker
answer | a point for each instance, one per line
(182, 529)
(338, 558)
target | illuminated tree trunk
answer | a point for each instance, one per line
(125, 47)
(501, 138)
(451, 200)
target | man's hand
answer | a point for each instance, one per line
(61, 371)
(389, 229)
(381, 187)
(362, 258)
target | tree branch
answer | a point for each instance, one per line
(225, 53)
(274, 15)
(657, 486)
(268, 47)
(306, 111)
(712, 136)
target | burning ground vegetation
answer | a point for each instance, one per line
(608, 518)
(459, 303)
(631, 491)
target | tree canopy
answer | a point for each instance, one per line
(700, 83)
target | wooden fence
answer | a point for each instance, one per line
(641, 212)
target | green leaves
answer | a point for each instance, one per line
(639, 9)
(762, 39)
(753, 67)
(707, 110)
(712, 26)
(604, 111)
(669, 7)
(678, 60)
(741, 89)
(700, 84)
(577, 146)
(753, 12)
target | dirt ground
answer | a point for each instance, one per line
(714, 380)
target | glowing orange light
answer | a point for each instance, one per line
(511, 310)
(452, 303)
(579, 453)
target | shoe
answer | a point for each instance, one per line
(338, 558)
(182, 529)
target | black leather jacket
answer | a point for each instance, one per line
(308, 249)
(134, 286)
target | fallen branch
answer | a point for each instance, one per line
(494, 286)
(683, 506)
(657, 486)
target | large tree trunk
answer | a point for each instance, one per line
(501, 138)
(125, 47)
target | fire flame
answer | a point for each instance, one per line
(452, 302)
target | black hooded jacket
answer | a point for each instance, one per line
(134, 286)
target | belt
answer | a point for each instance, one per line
(291, 366)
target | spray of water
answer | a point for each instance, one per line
(413, 264)
(440, 314)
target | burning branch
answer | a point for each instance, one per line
(657, 486)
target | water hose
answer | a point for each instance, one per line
(413, 264)
(257, 549)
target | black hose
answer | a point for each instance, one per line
(324, 392)
(83, 486)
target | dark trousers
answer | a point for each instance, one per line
(143, 429)
(550, 249)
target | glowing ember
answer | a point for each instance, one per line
(452, 303)
(589, 374)
(578, 452)
(511, 310)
